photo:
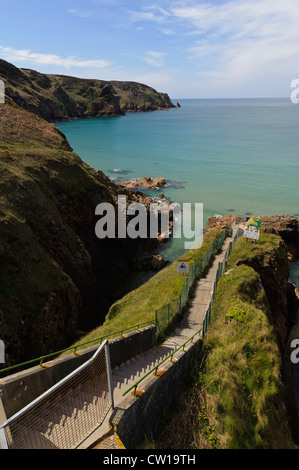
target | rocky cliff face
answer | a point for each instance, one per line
(286, 226)
(59, 97)
(57, 279)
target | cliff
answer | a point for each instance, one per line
(57, 279)
(59, 97)
(272, 265)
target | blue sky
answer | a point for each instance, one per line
(187, 48)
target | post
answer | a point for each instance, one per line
(156, 321)
(107, 354)
(3, 441)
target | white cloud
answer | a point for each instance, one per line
(155, 58)
(167, 31)
(240, 43)
(249, 45)
(149, 13)
(81, 14)
(25, 55)
(160, 81)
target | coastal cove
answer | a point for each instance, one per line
(234, 156)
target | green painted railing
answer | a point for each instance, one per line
(165, 314)
(155, 369)
(74, 348)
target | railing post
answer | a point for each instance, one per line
(109, 375)
(3, 440)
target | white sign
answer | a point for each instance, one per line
(251, 233)
(183, 267)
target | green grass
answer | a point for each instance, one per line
(242, 374)
(244, 353)
(262, 250)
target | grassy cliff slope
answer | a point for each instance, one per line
(235, 396)
(60, 97)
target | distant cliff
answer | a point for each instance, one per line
(59, 97)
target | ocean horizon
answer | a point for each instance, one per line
(235, 156)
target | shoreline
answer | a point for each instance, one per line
(83, 118)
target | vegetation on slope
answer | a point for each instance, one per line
(234, 398)
(60, 97)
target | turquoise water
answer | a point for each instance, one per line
(234, 156)
(294, 272)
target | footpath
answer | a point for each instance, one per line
(128, 373)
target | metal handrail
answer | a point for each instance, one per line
(53, 390)
(155, 369)
(203, 261)
(46, 356)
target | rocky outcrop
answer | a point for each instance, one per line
(145, 183)
(57, 279)
(135, 96)
(59, 97)
(219, 223)
(286, 226)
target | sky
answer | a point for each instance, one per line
(187, 48)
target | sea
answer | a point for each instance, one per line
(234, 156)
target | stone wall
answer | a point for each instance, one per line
(138, 418)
